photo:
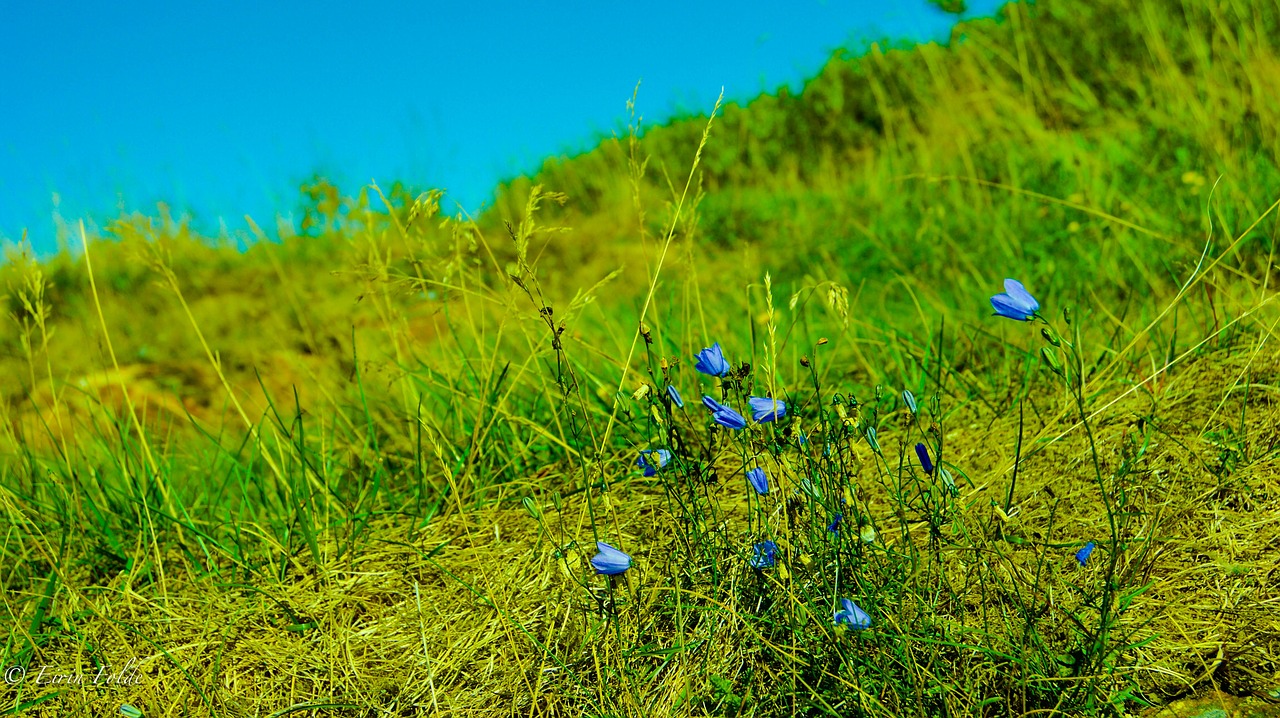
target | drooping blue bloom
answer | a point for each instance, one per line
(675, 396)
(764, 410)
(766, 555)
(852, 616)
(711, 361)
(1083, 554)
(610, 561)
(910, 398)
(724, 415)
(758, 480)
(1015, 302)
(649, 463)
(834, 526)
(925, 462)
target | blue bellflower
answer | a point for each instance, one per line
(758, 480)
(675, 396)
(724, 415)
(910, 399)
(766, 555)
(852, 616)
(1015, 302)
(925, 462)
(652, 460)
(1083, 554)
(610, 561)
(834, 526)
(711, 361)
(764, 410)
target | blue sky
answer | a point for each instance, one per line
(224, 110)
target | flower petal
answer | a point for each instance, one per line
(724, 415)
(711, 361)
(765, 409)
(765, 555)
(922, 452)
(1082, 556)
(675, 396)
(610, 561)
(834, 526)
(1020, 295)
(852, 616)
(1005, 306)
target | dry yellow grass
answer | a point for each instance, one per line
(476, 615)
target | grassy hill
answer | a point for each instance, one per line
(362, 470)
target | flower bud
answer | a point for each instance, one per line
(1051, 358)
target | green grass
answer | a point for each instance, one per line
(361, 470)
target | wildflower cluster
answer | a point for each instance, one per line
(759, 444)
(744, 429)
(816, 499)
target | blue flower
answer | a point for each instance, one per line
(1083, 554)
(834, 526)
(711, 361)
(675, 396)
(923, 452)
(764, 410)
(646, 462)
(1015, 302)
(852, 616)
(910, 398)
(758, 480)
(610, 561)
(724, 415)
(766, 555)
